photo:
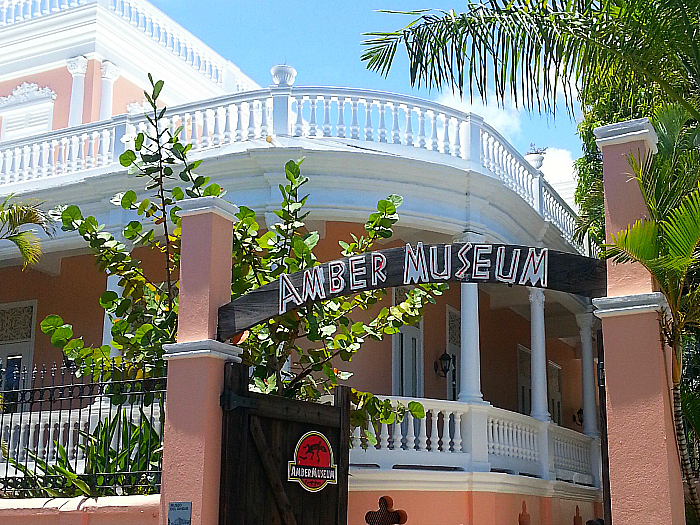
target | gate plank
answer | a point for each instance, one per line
(342, 400)
(271, 472)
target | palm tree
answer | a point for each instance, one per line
(13, 219)
(532, 49)
(667, 244)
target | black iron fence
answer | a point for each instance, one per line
(95, 431)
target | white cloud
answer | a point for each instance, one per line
(558, 170)
(506, 119)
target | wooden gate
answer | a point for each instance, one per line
(283, 461)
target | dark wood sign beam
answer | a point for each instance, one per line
(410, 265)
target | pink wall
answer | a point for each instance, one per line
(93, 91)
(473, 508)
(109, 510)
(125, 93)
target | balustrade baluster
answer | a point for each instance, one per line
(383, 436)
(228, 127)
(263, 120)
(251, 120)
(24, 439)
(17, 164)
(434, 438)
(395, 130)
(354, 124)
(410, 432)
(422, 434)
(382, 121)
(34, 160)
(326, 115)
(457, 442)
(26, 153)
(446, 137)
(458, 138)
(340, 126)
(219, 125)
(312, 116)
(239, 122)
(421, 127)
(206, 128)
(299, 124)
(368, 120)
(409, 126)
(196, 131)
(434, 131)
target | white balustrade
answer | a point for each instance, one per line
(40, 432)
(513, 442)
(398, 124)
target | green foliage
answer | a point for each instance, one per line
(130, 468)
(14, 217)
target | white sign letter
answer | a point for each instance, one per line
(447, 269)
(462, 254)
(378, 267)
(336, 269)
(415, 268)
(480, 270)
(536, 267)
(287, 293)
(357, 271)
(501, 262)
(312, 285)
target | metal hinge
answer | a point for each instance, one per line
(601, 373)
(230, 400)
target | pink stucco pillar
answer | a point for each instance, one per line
(192, 436)
(645, 475)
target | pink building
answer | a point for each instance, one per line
(517, 412)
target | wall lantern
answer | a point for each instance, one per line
(443, 364)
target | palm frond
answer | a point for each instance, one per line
(28, 245)
(638, 242)
(533, 49)
(681, 228)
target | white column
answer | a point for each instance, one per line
(112, 286)
(590, 419)
(110, 73)
(470, 360)
(77, 67)
(538, 357)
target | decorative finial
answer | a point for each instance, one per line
(283, 75)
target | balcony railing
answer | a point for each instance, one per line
(458, 436)
(382, 121)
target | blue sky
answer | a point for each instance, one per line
(321, 39)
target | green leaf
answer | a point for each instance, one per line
(71, 215)
(138, 142)
(60, 336)
(178, 194)
(416, 409)
(386, 207)
(157, 89)
(396, 200)
(107, 299)
(127, 158)
(128, 199)
(213, 189)
(51, 323)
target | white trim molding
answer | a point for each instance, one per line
(628, 131)
(27, 94)
(365, 480)
(208, 204)
(205, 347)
(629, 304)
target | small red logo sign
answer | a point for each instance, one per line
(313, 465)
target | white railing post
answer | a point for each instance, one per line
(537, 193)
(282, 81)
(545, 446)
(472, 140)
(475, 436)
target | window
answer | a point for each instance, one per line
(27, 111)
(16, 341)
(525, 390)
(407, 356)
(454, 348)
